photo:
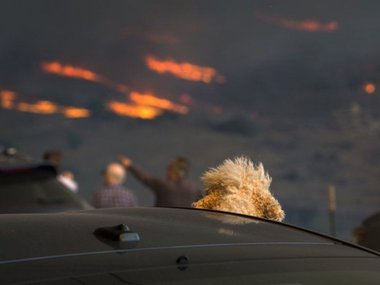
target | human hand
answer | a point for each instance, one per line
(68, 174)
(125, 161)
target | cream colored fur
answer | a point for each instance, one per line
(240, 186)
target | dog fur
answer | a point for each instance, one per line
(240, 186)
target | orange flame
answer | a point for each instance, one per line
(66, 70)
(144, 105)
(75, 113)
(184, 70)
(305, 25)
(369, 88)
(134, 111)
(55, 67)
(40, 107)
(44, 107)
(7, 99)
(149, 99)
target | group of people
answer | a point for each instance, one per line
(175, 190)
(236, 186)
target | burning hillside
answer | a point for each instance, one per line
(141, 105)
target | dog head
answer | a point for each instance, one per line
(242, 187)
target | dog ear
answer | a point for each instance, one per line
(273, 210)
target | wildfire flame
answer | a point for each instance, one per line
(145, 106)
(369, 88)
(75, 112)
(134, 111)
(57, 68)
(305, 25)
(40, 107)
(67, 70)
(43, 107)
(184, 70)
(148, 99)
(142, 105)
(7, 99)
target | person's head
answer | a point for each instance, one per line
(177, 169)
(53, 156)
(114, 174)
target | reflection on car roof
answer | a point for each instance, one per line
(72, 233)
(171, 246)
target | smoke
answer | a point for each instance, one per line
(265, 51)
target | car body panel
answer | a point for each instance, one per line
(62, 246)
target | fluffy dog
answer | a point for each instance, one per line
(240, 186)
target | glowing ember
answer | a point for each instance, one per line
(75, 113)
(184, 70)
(134, 111)
(305, 25)
(148, 99)
(7, 99)
(40, 107)
(369, 88)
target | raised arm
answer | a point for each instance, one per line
(155, 183)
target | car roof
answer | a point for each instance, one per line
(80, 245)
(44, 235)
(17, 166)
(11, 156)
(44, 169)
(370, 232)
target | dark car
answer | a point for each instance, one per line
(368, 233)
(173, 246)
(27, 187)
